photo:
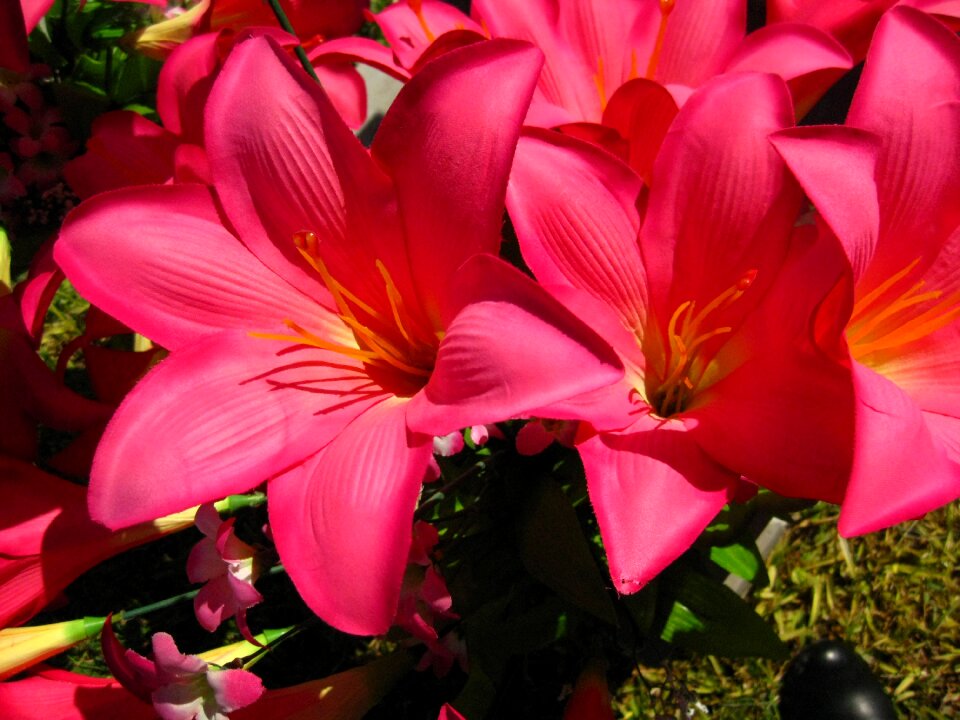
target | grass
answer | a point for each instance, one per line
(894, 595)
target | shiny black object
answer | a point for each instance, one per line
(830, 681)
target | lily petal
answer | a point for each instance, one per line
(721, 201)
(653, 491)
(807, 58)
(836, 168)
(220, 417)
(918, 117)
(574, 210)
(292, 166)
(451, 186)
(175, 273)
(343, 521)
(901, 469)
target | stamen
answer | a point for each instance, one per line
(666, 7)
(393, 295)
(417, 7)
(307, 244)
(600, 82)
(375, 348)
(877, 318)
(684, 339)
(305, 337)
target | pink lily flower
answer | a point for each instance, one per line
(595, 47)
(362, 313)
(707, 292)
(228, 566)
(181, 687)
(48, 540)
(900, 233)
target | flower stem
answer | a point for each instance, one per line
(171, 601)
(285, 24)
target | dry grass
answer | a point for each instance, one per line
(894, 595)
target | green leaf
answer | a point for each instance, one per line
(554, 551)
(741, 559)
(707, 617)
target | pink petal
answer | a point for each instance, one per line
(184, 84)
(533, 438)
(566, 81)
(204, 562)
(901, 469)
(125, 149)
(574, 210)
(653, 491)
(448, 141)
(172, 664)
(700, 40)
(641, 110)
(14, 52)
(362, 50)
(836, 166)
(509, 348)
(808, 59)
(234, 689)
(69, 696)
(220, 417)
(909, 95)
(346, 89)
(407, 33)
(721, 202)
(292, 166)
(133, 671)
(160, 260)
(342, 521)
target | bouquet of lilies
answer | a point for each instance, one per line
(510, 377)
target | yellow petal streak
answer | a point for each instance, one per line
(889, 316)
(686, 336)
(404, 352)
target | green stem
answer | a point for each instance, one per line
(285, 24)
(171, 601)
(232, 503)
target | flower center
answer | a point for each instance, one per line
(389, 339)
(685, 358)
(889, 316)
